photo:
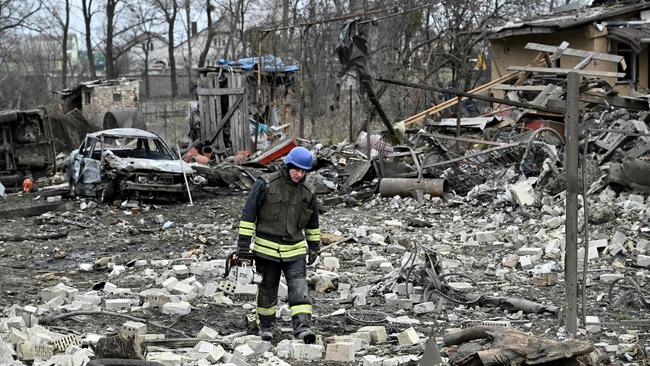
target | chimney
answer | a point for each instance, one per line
(194, 28)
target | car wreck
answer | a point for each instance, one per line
(127, 163)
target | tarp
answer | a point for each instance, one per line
(270, 63)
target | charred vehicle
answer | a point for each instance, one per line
(26, 146)
(127, 163)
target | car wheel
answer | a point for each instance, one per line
(110, 191)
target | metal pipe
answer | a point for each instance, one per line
(389, 187)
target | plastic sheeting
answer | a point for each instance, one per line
(270, 63)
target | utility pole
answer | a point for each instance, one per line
(571, 228)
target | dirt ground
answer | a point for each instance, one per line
(209, 228)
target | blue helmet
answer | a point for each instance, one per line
(300, 157)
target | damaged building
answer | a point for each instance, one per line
(106, 103)
(613, 29)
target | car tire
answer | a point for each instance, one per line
(110, 191)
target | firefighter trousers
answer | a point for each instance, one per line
(295, 273)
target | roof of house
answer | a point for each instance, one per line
(95, 84)
(566, 17)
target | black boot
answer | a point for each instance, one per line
(266, 334)
(307, 336)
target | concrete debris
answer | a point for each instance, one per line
(473, 233)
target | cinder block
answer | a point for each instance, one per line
(372, 360)
(306, 352)
(134, 328)
(526, 262)
(386, 267)
(485, 236)
(377, 333)
(408, 337)
(207, 333)
(531, 251)
(643, 260)
(424, 308)
(169, 283)
(374, 263)
(244, 352)
(284, 349)
(117, 304)
(340, 352)
(177, 308)
(216, 354)
(17, 336)
(391, 298)
(610, 277)
(184, 289)
(359, 342)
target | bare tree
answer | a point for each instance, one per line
(210, 36)
(62, 19)
(111, 7)
(88, 12)
(169, 9)
(16, 13)
(188, 63)
(121, 35)
(235, 12)
(149, 21)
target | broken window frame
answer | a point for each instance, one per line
(631, 60)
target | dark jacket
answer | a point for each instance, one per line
(283, 215)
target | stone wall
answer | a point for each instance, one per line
(101, 99)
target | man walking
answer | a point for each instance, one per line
(279, 208)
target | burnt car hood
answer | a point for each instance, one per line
(136, 164)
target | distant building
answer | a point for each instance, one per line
(220, 47)
(95, 98)
(156, 46)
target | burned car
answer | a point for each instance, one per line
(127, 163)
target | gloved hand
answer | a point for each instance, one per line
(245, 254)
(244, 249)
(312, 255)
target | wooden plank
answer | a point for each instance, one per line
(446, 104)
(574, 52)
(557, 70)
(518, 87)
(202, 114)
(582, 64)
(213, 101)
(217, 91)
(217, 109)
(559, 51)
(247, 133)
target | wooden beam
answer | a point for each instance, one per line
(582, 64)
(446, 104)
(557, 70)
(518, 87)
(559, 51)
(224, 91)
(574, 52)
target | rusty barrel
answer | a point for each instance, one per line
(389, 187)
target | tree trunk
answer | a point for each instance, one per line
(88, 14)
(145, 73)
(210, 37)
(64, 48)
(110, 28)
(189, 46)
